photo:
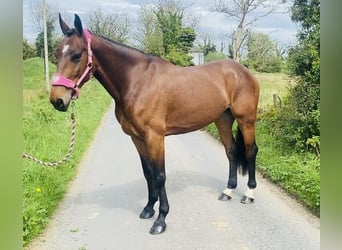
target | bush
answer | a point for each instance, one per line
(267, 65)
(29, 50)
(296, 172)
(299, 118)
(212, 56)
(298, 122)
(263, 54)
(178, 57)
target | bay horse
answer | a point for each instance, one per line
(154, 98)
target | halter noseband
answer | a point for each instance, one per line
(59, 80)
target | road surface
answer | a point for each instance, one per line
(101, 210)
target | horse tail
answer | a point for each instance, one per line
(241, 152)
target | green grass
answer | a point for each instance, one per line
(271, 84)
(298, 173)
(47, 136)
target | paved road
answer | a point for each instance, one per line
(102, 208)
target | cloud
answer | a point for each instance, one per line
(211, 23)
(218, 25)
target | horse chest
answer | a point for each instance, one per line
(126, 125)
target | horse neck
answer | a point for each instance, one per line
(113, 66)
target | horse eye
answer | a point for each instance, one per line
(76, 57)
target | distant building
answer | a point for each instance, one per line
(197, 55)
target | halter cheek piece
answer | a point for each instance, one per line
(59, 80)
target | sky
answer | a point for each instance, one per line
(278, 25)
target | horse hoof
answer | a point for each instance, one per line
(224, 197)
(247, 200)
(146, 213)
(158, 228)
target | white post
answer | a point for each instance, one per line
(46, 55)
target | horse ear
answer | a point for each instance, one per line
(63, 25)
(78, 24)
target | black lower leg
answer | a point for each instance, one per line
(232, 182)
(159, 225)
(251, 167)
(148, 210)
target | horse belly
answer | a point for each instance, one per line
(195, 113)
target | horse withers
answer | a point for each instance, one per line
(154, 99)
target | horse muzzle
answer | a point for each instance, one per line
(60, 105)
(62, 91)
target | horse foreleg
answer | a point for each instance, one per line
(157, 157)
(148, 210)
(159, 225)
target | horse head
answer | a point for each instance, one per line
(74, 64)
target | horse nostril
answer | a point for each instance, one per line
(60, 103)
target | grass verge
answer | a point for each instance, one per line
(297, 172)
(47, 136)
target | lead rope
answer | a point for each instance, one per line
(71, 147)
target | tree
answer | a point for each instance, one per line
(212, 56)
(162, 26)
(263, 54)
(149, 34)
(28, 50)
(52, 42)
(245, 13)
(37, 17)
(302, 128)
(304, 58)
(177, 39)
(207, 46)
(209, 49)
(113, 26)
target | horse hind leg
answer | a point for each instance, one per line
(224, 125)
(248, 151)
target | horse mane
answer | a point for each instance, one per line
(124, 45)
(72, 31)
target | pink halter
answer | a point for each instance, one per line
(59, 80)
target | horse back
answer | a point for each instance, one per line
(173, 100)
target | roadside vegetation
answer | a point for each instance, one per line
(295, 126)
(47, 136)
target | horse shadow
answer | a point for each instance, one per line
(132, 196)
